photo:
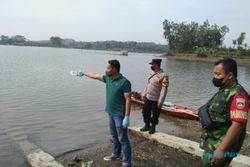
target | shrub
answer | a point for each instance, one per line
(201, 52)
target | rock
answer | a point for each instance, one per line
(87, 164)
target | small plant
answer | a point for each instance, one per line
(169, 53)
(201, 52)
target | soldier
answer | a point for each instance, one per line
(154, 95)
(224, 117)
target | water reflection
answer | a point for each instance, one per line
(59, 112)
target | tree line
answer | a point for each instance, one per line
(203, 39)
(56, 41)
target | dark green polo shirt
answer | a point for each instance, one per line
(115, 89)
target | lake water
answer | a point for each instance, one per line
(60, 113)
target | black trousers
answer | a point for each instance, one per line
(146, 112)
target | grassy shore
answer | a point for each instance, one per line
(212, 59)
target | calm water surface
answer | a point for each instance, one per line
(60, 113)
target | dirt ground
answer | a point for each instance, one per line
(145, 153)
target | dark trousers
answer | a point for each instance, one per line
(146, 112)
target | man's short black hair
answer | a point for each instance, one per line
(229, 65)
(115, 64)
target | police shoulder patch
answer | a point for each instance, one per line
(165, 80)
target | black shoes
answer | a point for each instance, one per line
(152, 129)
(147, 127)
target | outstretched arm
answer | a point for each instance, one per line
(93, 75)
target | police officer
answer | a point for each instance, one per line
(224, 126)
(154, 95)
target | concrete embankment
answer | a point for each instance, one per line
(35, 156)
(159, 150)
(186, 145)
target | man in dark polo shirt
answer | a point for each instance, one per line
(118, 104)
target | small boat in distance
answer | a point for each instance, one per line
(170, 108)
(124, 52)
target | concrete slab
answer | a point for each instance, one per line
(39, 158)
(185, 145)
(33, 154)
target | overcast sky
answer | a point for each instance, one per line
(123, 20)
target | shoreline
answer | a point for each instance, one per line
(164, 156)
(91, 49)
(209, 59)
(168, 151)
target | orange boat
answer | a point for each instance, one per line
(171, 109)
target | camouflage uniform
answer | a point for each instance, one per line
(227, 105)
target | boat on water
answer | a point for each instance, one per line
(170, 108)
(124, 52)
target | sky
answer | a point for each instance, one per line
(121, 20)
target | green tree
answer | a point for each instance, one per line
(241, 39)
(56, 41)
(234, 43)
(245, 45)
(185, 37)
(201, 52)
(18, 39)
(88, 45)
(5, 39)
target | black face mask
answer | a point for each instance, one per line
(152, 68)
(218, 82)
